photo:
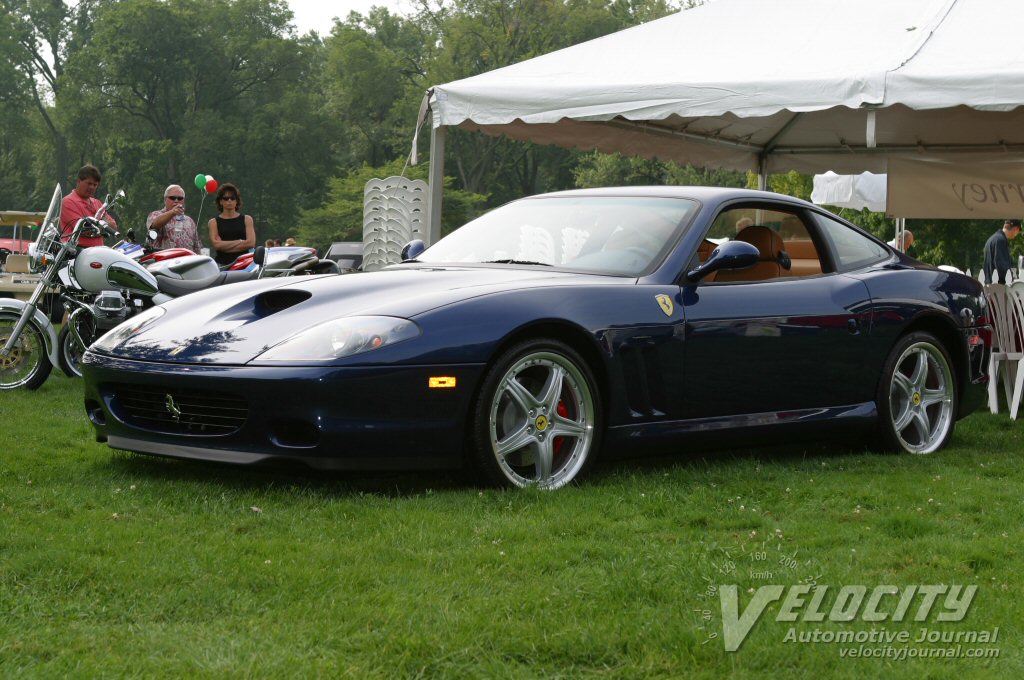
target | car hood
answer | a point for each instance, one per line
(236, 323)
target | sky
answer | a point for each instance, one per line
(318, 14)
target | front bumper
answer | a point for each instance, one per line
(367, 418)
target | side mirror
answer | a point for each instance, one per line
(152, 234)
(259, 255)
(130, 235)
(412, 250)
(729, 255)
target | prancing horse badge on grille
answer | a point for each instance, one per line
(172, 407)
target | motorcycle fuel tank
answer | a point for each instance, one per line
(101, 268)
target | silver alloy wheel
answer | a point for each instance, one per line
(921, 398)
(541, 421)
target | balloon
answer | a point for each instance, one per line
(211, 184)
(200, 181)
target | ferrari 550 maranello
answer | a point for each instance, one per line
(552, 330)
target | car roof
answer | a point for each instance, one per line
(700, 193)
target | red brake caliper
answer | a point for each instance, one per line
(564, 412)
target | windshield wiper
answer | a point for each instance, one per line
(542, 264)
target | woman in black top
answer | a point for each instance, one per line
(231, 232)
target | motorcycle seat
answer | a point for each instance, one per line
(179, 287)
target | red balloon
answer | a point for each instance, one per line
(211, 185)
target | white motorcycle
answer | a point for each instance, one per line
(29, 346)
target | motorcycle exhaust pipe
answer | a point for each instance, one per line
(73, 327)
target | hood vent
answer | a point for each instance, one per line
(274, 301)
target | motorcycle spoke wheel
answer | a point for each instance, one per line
(27, 365)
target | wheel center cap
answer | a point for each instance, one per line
(541, 423)
(917, 399)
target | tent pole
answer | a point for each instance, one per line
(437, 140)
(762, 172)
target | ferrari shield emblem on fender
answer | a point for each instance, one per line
(665, 302)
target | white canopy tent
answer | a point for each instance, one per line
(807, 85)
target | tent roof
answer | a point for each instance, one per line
(798, 81)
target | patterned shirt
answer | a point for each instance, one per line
(180, 232)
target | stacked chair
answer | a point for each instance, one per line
(394, 213)
(1006, 304)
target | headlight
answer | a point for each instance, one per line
(119, 334)
(343, 338)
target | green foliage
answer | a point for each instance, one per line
(602, 170)
(340, 218)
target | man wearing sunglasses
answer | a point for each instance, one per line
(174, 228)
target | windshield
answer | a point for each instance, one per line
(603, 234)
(52, 220)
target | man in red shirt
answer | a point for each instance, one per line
(81, 203)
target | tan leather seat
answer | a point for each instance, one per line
(804, 257)
(773, 263)
(17, 264)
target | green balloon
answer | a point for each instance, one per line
(200, 181)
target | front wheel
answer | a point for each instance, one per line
(27, 365)
(917, 396)
(537, 419)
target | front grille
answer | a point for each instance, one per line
(179, 411)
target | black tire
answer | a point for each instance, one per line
(917, 396)
(68, 353)
(537, 420)
(27, 366)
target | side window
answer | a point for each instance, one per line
(853, 250)
(786, 246)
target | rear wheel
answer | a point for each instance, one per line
(917, 396)
(537, 418)
(27, 366)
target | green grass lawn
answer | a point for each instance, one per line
(113, 564)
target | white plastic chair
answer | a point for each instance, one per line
(1006, 303)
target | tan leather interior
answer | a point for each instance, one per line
(804, 257)
(769, 265)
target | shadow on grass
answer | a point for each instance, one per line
(284, 474)
(703, 457)
(413, 483)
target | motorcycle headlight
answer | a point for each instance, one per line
(343, 338)
(35, 257)
(122, 332)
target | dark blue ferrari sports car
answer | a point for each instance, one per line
(555, 329)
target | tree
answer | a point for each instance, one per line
(601, 170)
(40, 38)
